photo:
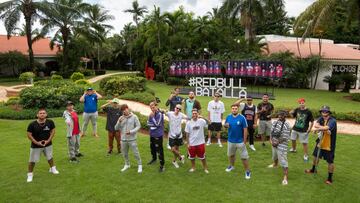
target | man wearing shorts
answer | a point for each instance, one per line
(281, 131)
(302, 127)
(175, 133)
(265, 109)
(237, 135)
(216, 110)
(173, 100)
(327, 128)
(90, 99)
(195, 139)
(41, 132)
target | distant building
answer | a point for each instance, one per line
(41, 48)
(340, 58)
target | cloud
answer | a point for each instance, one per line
(198, 7)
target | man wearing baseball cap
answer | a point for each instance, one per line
(90, 99)
(72, 131)
(326, 143)
(302, 127)
(113, 112)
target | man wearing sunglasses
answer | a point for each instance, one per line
(325, 145)
(216, 110)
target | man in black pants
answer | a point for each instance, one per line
(249, 111)
(156, 124)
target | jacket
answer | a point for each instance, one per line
(69, 123)
(129, 123)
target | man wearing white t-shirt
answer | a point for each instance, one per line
(216, 110)
(175, 133)
(195, 138)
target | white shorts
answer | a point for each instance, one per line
(281, 156)
(303, 137)
(264, 127)
(36, 152)
(232, 147)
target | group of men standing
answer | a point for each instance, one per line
(123, 126)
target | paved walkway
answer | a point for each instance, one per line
(343, 127)
(6, 92)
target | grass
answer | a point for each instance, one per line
(283, 98)
(97, 178)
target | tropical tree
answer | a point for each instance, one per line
(137, 11)
(94, 26)
(14, 59)
(249, 11)
(63, 16)
(10, 13)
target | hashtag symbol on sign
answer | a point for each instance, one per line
(192, 82)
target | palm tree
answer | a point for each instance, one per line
(137, 11)
(10, 13)
(94, 27)
(157, 20)
(64, 15)
(248, 10)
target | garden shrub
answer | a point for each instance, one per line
(56, 77)
(120, 85)
(12, 101)
(177, 81)
(142, 97)
(50, 94)
(77, 76)
(87, 72)
(355, 97)
(83, 82)
(26, 77)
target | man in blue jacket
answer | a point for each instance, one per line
(156, 124)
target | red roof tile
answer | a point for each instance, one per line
(328, 50)
(19, 43)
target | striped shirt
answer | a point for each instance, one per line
(285, 134)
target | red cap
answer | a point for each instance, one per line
(300, 100)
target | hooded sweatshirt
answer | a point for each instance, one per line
(129, 123)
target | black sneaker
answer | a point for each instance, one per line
(161, 169)
(263, 144)
(109, 152)
(74, 160)
(79, 155)
(152, 161)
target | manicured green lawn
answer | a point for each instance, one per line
(283, 98)
(97, 178)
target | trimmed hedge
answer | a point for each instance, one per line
(56, 77)
(26, 77)
(77, 76)
(83, 82)
(355, 97)
(50, 94)
(116, 86)
(142, 97)
(177, 81)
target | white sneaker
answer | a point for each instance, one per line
(126, 167)
(220, 145)
(191, 170)
(271, 166)
(175, 164)
(284, 182)
(247, 175)
(208, 143)
(168, 146)
(53, 170)
(29, 177)
(306, 158)
(252, 147)
(139, 168)
(229, 168)
(206, 171)
(292, 150)
(182, 159)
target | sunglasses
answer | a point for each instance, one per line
(177, 108)
(324, 111)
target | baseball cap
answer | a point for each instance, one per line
(68, 103)
(301, 100)
(90, 88)
(325, 109)
(282, 112)
(115, 100)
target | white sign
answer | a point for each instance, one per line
(205, 86)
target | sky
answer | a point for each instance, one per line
(198, 7)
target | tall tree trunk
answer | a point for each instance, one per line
(65, 52)
(158, 36)
(29, 42)
(318, 66)
(98, 56)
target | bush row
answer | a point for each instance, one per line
(177, 81)
(120, 85)
(142, 97)
(355, 97)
